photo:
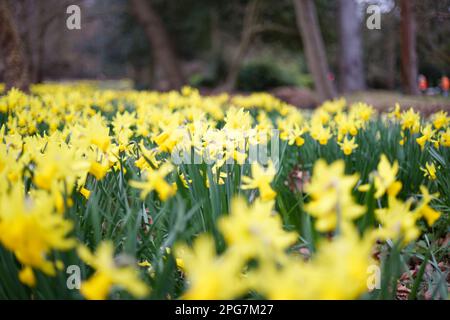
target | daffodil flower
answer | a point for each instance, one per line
(108, 274)
(261, 180)
(429, 171)
(347, 146)
(155, 180)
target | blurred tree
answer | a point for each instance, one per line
(36, 17)
(351, 69)
(248, 32)
(16, 66)
(163, 52)
(314, 48)
(381, 46)
(259, 19)
(391, 45)
(211, 40)
(408, 47)
(433, 45)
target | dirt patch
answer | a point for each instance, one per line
(302, 98)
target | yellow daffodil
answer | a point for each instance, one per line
(427, 135)
(347, 146)
(261, 180)
(293, 135)
(346, 125)
(429, 171)
(155, 180)
(440, 119)
(397, 221)
(445, 138)
(31, 229)
(255, 231)
(410, 120)
(385, 178)
(108, 274)
(148, 158)
(85, 192)
(362, 111)
(424, 209)
(337, 271)
(396, 113)
(320, 133)
(98, 170)
(26, 276)
(237, 119)
(331, 196)
(210, 276)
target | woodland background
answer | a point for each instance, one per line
(303, 51)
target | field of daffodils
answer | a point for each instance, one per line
(122, 194)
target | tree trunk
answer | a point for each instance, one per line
(158, 37)
(408, 47)
(351, 68)
(40, 51)
(16, 67)
(391, 53)
(305, 11)
(250, 18)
